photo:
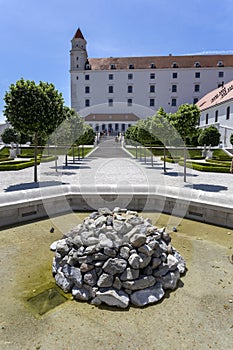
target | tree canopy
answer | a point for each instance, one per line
(10, 135)
(34, 109)
(209, 136)
(185, 120)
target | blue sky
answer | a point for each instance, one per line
(35, 35)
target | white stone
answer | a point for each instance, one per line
(141, 283)
(129, 274)
(105, 280)
(147, 296)
(112, 297)
(138, 239)
(134, 261)
(114, 265)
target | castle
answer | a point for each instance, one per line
(114, 93)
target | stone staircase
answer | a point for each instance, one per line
(109, 148)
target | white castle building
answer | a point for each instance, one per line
(113, 93)
(217, 109)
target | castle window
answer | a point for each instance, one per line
(112, 66)
(110, 102)
(196, 87)
(130, 76)
(87, 103)
(87, 89)
(77, 66)
(110, 89)
(152, 65)
(131, 66)
(87, 77)
(228, 113)
(174, 65)
(174, 88)
(195, 100)
(152, 75)
(216, 116)
(77, 58)
(220, 74)
(174, 102)
(197, 64)
(197, 74)
(130, 89)
(220, 64)
(174, 75)
(152, 102)
(152, 88)
(77, 77)
(129, 101)
(87, 66)
(206, 118)
(110, 76)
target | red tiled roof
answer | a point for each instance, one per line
(79, 35)
(217, 96)
(192, 61)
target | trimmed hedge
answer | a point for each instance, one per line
(208, 167)
(17, 165)
(5, 159)
(21, 164)
(171, 160)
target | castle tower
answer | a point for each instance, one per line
(78, 53)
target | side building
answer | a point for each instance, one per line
(217, 109)
(113, 93)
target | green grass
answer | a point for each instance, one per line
(28, 152)
(172, 153)
(219, 154)
(79, 152)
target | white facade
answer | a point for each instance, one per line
(113, 86)
(217, 110)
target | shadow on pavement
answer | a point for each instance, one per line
(207, 188)
(70, 167)
(175, 173)
(32, 185)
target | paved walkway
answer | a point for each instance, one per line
(111, 167)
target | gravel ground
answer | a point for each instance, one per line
(197, 315)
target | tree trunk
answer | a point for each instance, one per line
(73, 153)
(185, 156)
(164, 159)
(35, 157)
(151, 156)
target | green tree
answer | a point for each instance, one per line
(231, 139)
(34, 109)
(132, 133)
(10, 135)
(209, 136)
(185, 121)
(161, 128)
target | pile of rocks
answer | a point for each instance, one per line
(116, 257)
